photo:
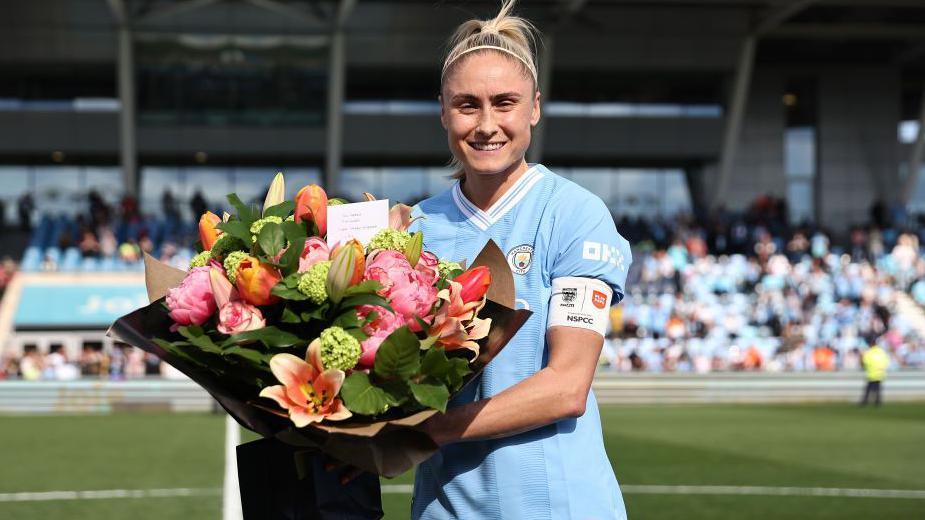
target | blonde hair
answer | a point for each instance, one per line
(505, 33)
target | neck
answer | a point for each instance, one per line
(485, 190)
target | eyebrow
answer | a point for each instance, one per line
(459, 98)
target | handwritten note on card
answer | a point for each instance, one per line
(360, 220)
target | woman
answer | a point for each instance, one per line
(524, 441)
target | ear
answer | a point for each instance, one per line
(442, 112)
(535, 116)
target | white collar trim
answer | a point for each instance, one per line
(484, 219)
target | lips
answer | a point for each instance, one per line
(487, 146)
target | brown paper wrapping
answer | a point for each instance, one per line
(386, 447)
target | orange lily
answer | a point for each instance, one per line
(474, 283)
(255, 280)
(311, 204)
(208, 233)
(308, 392)
(455, 324)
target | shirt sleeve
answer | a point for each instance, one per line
(586, 243)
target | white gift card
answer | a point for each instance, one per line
(360, 220)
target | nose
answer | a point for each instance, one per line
(487, 124)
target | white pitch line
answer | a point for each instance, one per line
(773, 491)
(231, 495)
(44, 496)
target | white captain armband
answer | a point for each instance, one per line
(580, 302)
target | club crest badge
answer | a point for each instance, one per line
(520, 258)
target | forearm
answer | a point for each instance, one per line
(541, 399)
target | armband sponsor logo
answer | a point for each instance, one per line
(607, 253)
(599, 299)
(579, 319)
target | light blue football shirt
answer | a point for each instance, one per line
(548, 227)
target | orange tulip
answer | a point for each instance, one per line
(311, 204)
(359, 260)
(255, 280)
(208, 233)
(474, 283)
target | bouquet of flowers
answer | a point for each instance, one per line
(343, 347)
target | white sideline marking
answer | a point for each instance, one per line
(773, 491)
(108, 493)
(407, 489)
(231, 495)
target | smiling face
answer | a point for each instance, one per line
(488, 106)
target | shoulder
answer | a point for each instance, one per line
(568, 199)
(434, 205)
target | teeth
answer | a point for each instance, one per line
(487, 147)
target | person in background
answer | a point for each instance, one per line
(875, 362)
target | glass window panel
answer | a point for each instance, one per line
(405, 185)
(595, 180)
(214, 183)
(14, 181)
(676, 197)
(296, 178)
(106, 180)
(57, 190)
(438, 180)
(155, 180)
(355, 181)
(800, 152)
(800, 200)
(637, 193)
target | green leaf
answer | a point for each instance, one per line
(289, 316)
(457, 371)
(271, 337)
(282, 291)
(397, 391)
(357, 333)
(289, 262)
(348, 320)
(365, 299)
(252, 356)
(271, 239)
(237, 229)
(318, 313)
(367, 287)
(431, 395)
(281, 210)
(362, 397)
(291, 281)
(399, 355)
(435, 364)
(246, 214)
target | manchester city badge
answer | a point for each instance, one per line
(520, 258)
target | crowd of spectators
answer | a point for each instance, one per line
(122, 362)
(751, 292)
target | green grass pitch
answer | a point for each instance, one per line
(811, 445)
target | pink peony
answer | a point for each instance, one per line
(408, 291)
(316, 250)
(239, 316)
(192, 303)
(377, 330)
(427, 265)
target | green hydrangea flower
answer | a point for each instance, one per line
(290, 218)
(258, 225)
(201, 259)
(232, 261)
(311, 283)
(339, 349)
(336, 202)
(444, 267)
(225, 245)
(392, 239)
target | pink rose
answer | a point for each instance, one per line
(427, 266)
(409, 291)
(316, 250)
(239, 316)
(191, 303)
(377, 330)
